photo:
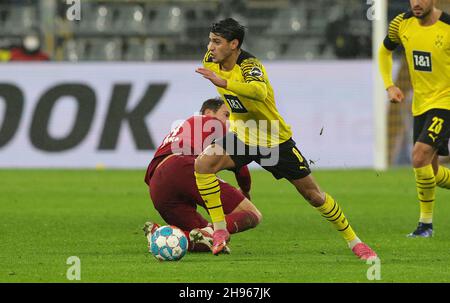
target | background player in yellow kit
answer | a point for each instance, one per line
(424, 33)
(258, 133)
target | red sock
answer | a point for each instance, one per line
(240, 221)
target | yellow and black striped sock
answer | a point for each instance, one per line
(209, 189)
(443, 177)
(426, 187)
(331, 211)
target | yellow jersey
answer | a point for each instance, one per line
(5, 55)
(249, 96)
(427, 50)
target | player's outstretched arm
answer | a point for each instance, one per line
(395, 94)
(211, 76)
(256, 90)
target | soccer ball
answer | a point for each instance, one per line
(168, 243)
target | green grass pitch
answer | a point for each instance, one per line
(46, 216)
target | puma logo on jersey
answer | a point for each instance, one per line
(433, 137)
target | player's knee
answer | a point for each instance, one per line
(211, 164)
(255, 217)
(421, 156)
(258, 218)
(204, 164)
(252, 212)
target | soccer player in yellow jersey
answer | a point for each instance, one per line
(257, 133)
(424, 33)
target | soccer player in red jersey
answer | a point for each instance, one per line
(176, 201)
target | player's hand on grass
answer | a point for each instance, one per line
(211, 76)
(395, 94)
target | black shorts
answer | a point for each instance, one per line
(283, 161)
(433, 128)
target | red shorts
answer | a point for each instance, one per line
(174, 193)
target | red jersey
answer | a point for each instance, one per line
(189, 138)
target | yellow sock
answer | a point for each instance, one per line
(331, 211)
(209, 189)
(426, 187)
(443, 177)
